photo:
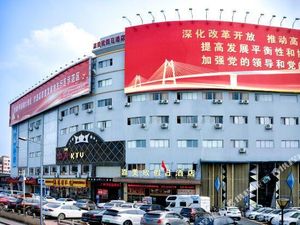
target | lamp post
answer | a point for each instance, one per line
(41, 174)
(282, 202)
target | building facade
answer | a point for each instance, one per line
(4, 165)
(123, 139)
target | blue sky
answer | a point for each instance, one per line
(38, 37)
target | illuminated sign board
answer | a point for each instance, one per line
(211, 55)
(68, 84)
(111, 40)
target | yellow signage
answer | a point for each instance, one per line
(66, 182)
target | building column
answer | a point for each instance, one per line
(125, 192)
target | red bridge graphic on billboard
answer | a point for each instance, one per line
(175, 75)
(211, 55)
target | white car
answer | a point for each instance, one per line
(286, 218)
(65, 201)
(291, 220)
(61, 211)
(252, 215)
(122, 216)
(270, 216)
(232, 212)
(49, 199)
(261, 217)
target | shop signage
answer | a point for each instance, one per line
(64, 86)
(157, 173)
(110, 41)
(211, 55)
(66, 182)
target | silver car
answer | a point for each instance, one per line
(163, 217)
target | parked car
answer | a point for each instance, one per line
(163, 218)
(65, 201)
(272, 214)
(151, 207)
(129, 205)
(122, 216)
(5, 200)
(253, 215)
(261, 217)
(48, 199)
(61, 211)
(93, 216)
(191, 213)
(232, 212)
(290, 217)
(112, 204)
(26, 205)
(12, 204)
(85, 204)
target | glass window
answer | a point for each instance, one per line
(264, 144)
(85, 169)
(263, 97)
(239, 143)
(212, 143)
(105, 63)
(187, 143)
(264, 120)
(187, 119)
(104, 124)
(136, 120)
(216, 119)
(211, 95)
(159, 143)
(239, 96)
(105, 83)
(239, 119)
(136, 98)
(87, 126)
(159, 119)
(187, 96)
(136, 144)
(105, 102)
(88, 105)
(290, 144)
(73, 129)
(289, 121)
(74, 110)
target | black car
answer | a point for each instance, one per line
(191, 213)
(93, 216)
(151, 207)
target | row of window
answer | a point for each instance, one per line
(209, 143)
(64, 170)
(157, 166)
(210, 95)
(212, 119)
(86, 126)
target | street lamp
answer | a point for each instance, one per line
(282, 202)
(41, 174)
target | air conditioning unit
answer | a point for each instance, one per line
(89, 110)
(176, 101)
(76, 113)
(217, 101)
(102, 128)
(163, 101)
(109, 107)
(143, 125)
(36, 126)
(127, 104)
(244, 101)
(218, 126)
(195, 125)
(242, 150)
(268, 127)
(61, 118)
(164, 126)
(31, 128)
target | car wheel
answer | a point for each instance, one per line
(127, 222)
(61, 216)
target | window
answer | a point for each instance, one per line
(263, 97)
(264, 120)
(187, 95)
(288, 98)
(37, 124)
(37, 154)
(289, 121)
(136, 98)
(87, 126)
(239, 96)
(136, 144)
(104, 124)
(139, 166)
(88, 105)
(159, 119)
(239, 119)
(46, 170)
(159, 143)
(53, 170)
(216, 119)
(85, 169)
(239, 143)
(31, 125)
(290, 144)
(105, 102)
(212, 143)
(136, 120)
(63, 131)
(37, 171)
(73, 129)
(74, 110)
(105, 63)
(63, 170)
(31, 171)
(159, 96)
(31, 154)
(157, 166)
(211, 95)
(264, 144)
(187, 119)
(185, 166)
(104, 83)
(187, 143)
(74, 169)
(64, 113)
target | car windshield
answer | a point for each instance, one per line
(52, 205)
(61, 199)
(82, 201)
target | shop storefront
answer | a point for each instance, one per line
(105, 188)
(73, 188)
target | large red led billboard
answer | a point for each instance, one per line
(68, 84)
(211, 55)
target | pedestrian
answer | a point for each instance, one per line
(97, 199)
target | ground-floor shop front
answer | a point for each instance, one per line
(69, 187)
(137, 190)
(249, 184)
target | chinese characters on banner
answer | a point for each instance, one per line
(234, 48)
(157, 173)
